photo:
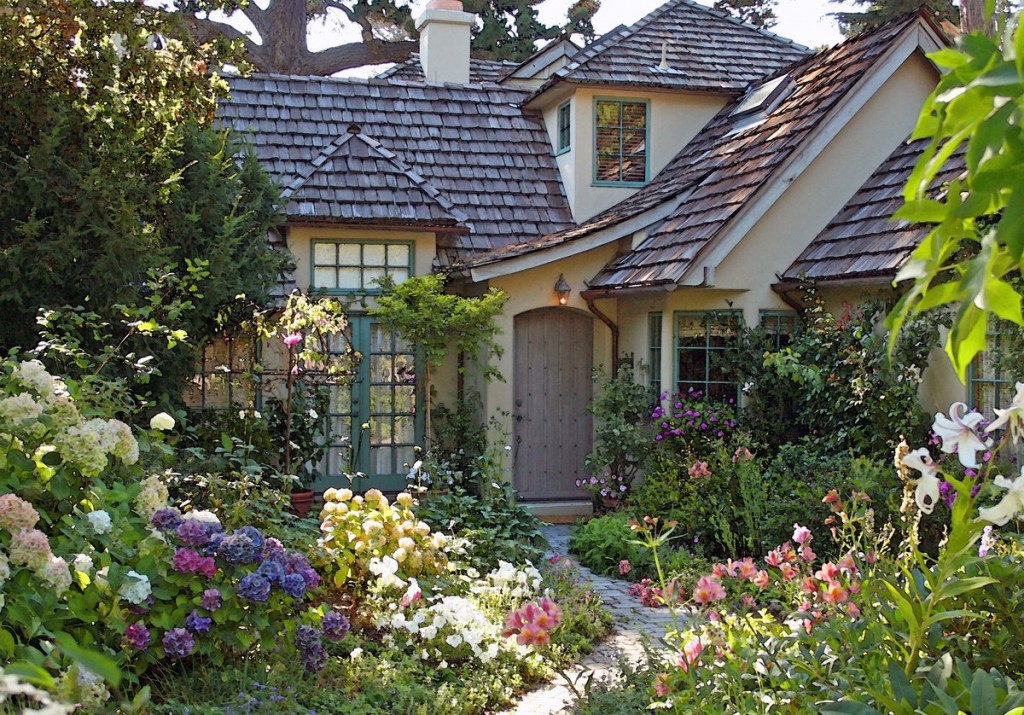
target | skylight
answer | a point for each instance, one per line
(765, 97)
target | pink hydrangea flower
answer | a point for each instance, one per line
(16, 514)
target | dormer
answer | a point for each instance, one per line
(624, 106)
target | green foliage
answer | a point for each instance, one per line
(759, 13)
(511, 30)
(494, 529)
(434, 321)
(622, 434)
(834, 384)
(879, 12)
(977, 245)
(110, 171)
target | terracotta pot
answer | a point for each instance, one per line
(610, 502)
(302, 502)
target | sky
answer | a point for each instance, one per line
(805, 21)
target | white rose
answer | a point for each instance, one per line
(162, 422)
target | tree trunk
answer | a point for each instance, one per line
(972, 17)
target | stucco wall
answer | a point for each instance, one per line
(818, 194)
(673, 121)
(529, 290)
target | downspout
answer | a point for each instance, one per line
(611, 326)
(782, 290)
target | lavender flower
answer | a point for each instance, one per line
(271, 570)
(178, 643)
(254, 587)
(193, 533)
(166, 519)
(294, 585)
(137, 636)
(237, 548)
(197, 623)
(211, 599)
(254, 535)
(336, 626)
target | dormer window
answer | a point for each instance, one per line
(564, 140)
(620, 142)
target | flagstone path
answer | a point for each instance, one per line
(632, 623)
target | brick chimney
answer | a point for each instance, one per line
(444, 29)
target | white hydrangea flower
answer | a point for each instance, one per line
(32, 373)
(83, 563)
(20, 408)
(5, 569)
(99, 521)
(203, 516)
(152, 497)
(162, 422)
(136, 588)
(56, 574)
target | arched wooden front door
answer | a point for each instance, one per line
(553, 359)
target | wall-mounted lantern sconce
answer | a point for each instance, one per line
(562, 290)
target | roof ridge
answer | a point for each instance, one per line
(414, 176)
(315, 163)
(380, 81)
(742, 23)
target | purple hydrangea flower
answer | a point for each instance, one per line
(137, 636)
(237, 549)
(193, 533)
(197, 623)
(294, 585)
(211, 599)
(254, 535)
(313, 660)
(166, 519)
(178, 643)
(271, 570)
(306, 637)
(213, 543)
(254, 587)
(336, 626)
(273, 548)
(186, 561)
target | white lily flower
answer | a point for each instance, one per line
(1011, 504)
(927, 492)
(958, 435)
(1011, 418)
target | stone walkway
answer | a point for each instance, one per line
(632, 624)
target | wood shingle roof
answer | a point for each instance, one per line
(863, 240)
(725, 165)
(471, 144)
(480, 71)
(706, 50)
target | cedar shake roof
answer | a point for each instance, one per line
(863, 240)
(724, 166)
(707, 51)
(471, 144)
(355, 179)
(480, 71)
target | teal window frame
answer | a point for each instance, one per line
(622, 101)
(360, 409)
(563, 128)
(654, 351)
(704, 382)
(366, 287)
(773, 321)
(980, 381)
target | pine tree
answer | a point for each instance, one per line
(759, 13)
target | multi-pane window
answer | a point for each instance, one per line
(702, 341)
(356, 266)
(226, 379)
(779, 326)
(992, 377)
(564, 128)
(654, 351)
(620, 141)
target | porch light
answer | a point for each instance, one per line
(562, 290)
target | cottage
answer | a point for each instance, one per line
(643, 195)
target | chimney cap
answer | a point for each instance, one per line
(445, 5)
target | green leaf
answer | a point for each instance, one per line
(31, 673)
(6, 644)
(98, 663)
(848, 707)
(904, 605)
(983, 693)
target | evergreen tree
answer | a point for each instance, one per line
(879, 12)
(759, 13)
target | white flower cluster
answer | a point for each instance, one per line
(33, 374)
(87, 445)
(99, 521)
(509, 582)
(82, 686)
(20, 408)
(152, 497)
(135, 588)
(449, 628)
